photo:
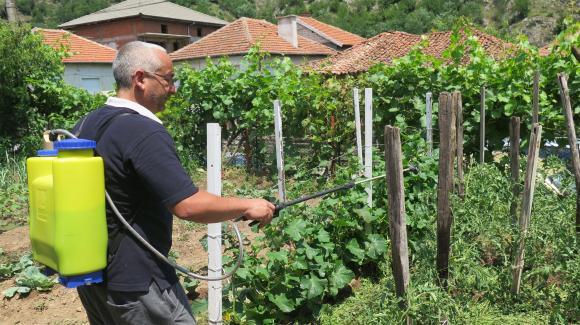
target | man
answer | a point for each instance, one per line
(148, 185)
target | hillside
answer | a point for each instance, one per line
(540, 20)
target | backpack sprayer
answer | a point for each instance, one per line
(68, 228)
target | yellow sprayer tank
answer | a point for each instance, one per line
(68, 227)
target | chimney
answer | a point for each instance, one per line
(288, 30)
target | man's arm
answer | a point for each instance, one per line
(204, 207)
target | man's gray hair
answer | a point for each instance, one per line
(132, 57)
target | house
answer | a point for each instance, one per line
(88, 65)
(155, 21)
(388, 46)
(322, 33)
(237, 38)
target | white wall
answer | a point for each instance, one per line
(94, 77)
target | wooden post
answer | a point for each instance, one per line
(482, 127)
(359, 150)
(515, 165)
(397, 223)
(567, 110)
(576, 52)
(447, 143)
(459, 109)
(279, 151)
(526, 211)
(10, 6)
(429, 122)
(214, 230)
(369, 143)
(535, 98)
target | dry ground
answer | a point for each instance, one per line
(62, 305)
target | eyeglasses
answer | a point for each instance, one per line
(168, 78)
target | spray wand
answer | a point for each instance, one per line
(347, 186)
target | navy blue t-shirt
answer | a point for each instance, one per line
(143, 176)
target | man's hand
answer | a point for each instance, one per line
(205, 207)
(260, 210)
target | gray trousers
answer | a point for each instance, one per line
(105, 307)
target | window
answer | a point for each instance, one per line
(175, 46)
(199, 32)
(163, 29)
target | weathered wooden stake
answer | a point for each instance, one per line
(459, 109)
(526, 210)
(396, 197)
(515, 165)
(11, 15)
(535, 98)
(567, 110)
(447, 144)
(429, 122)
(482, 127)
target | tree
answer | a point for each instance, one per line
(33, 94)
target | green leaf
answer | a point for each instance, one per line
(365, 214)
(323, 236)
(32, 278)
(10, 292)
(295, 229)
(262, 272)
(313, 286)
(340, 277)
(376, 245)
(310, 252)
(354, 248)
(280, 256)
(508, 109)
(218, 115)
(282, 302)
(300, 264)
(198, 306)
(5, 271)
(243, 273)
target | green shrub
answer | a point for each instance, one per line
(33, 95)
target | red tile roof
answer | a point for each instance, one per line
(238, 37)
(82, 50)
(391, 45)
(335, 34)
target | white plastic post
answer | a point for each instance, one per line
(357, 126)
(369, 143)
(429, 123)
(279, 151)
(214, 230)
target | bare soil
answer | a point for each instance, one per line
(62, 305)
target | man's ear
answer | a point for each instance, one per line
(139, 79)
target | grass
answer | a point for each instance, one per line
(14, 198)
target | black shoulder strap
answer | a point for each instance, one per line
(116, 236)
(105, 126)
